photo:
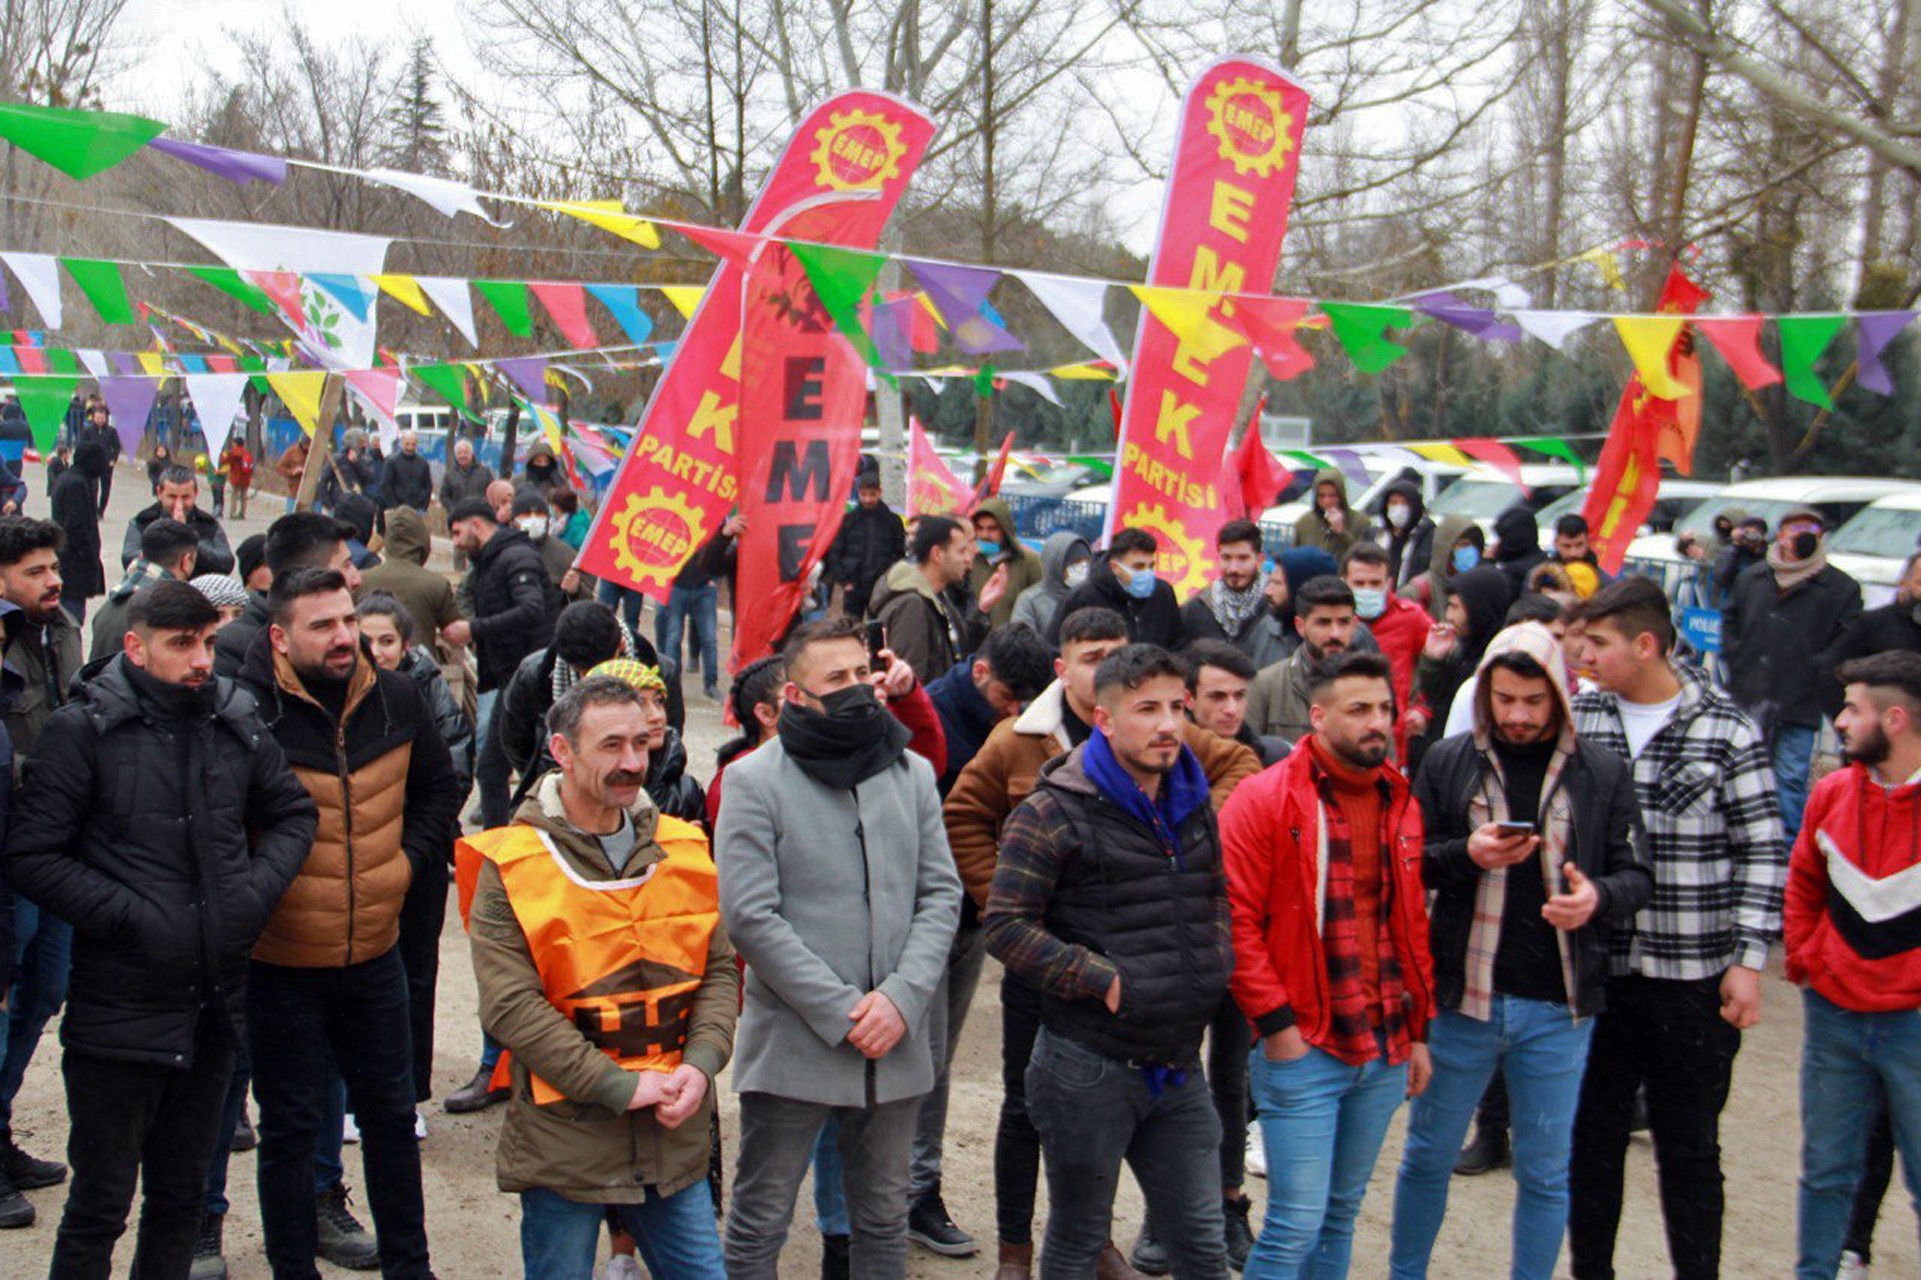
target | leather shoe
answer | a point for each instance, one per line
(476, 1095)
(1486, 1153)
(1017, 1262)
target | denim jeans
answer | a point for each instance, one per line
(358, 1014)
(676, 1234)
(1093, 1112)
(830, 1196)
(964, 961)
(700, 607)
(1793, 761)
(1845, 1057)
(43, 944)
(492, 771)
(1541, 1052)
(329, 1165)
(624, 599)
(1322, 1122)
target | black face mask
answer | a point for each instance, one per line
(849, 740)
(854, 703)
(1804, 544)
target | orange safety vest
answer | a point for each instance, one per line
(623, 959)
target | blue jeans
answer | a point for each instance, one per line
(43, 945)
(1322, 1122)
(699, 606)
(830, 1197)
(493, 773)
(1541, 1053)
(1845, 1057)
(676, 1234)
(1793, 761)
(625, 599)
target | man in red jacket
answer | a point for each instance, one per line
(1854, 945)
(1400, 627)
(1323, 858)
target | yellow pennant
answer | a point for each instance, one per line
(152, 362)
(1446, 453)
(1648, 340)
(1608, 263)
(403, 289)
(300, 391)
(609, 216)
(685, 297)
(1080, 373)
(1185, 313)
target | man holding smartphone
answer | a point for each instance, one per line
(1519, 931)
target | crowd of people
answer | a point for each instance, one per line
(1396, 815)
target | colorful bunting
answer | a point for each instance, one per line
(1081, 307)
(509, 300)
(39, 275)
(685, 297)
(1443, 453)
(1649, 340)
(235, 166)
(1495, 454)
(1738, 339)
(731, 245)
(566, 305)
(236, 286)
(1269, 325)
(44, 399)
(1361, 329)
(1877, 329)
(301, 392)
(608, 215)
(1187, 315)
(842, 278)
(455, 302)
(1476, 321)
(529, 373)
(404, 290)
(1553, 447)
(129, 402)
(217, 398)
(378, 391)
(78, 143)
(449, 380)
(445, 195)
(1803, 339)
(1554, 327)
(104, 288)
(351, 292)
(623, 303)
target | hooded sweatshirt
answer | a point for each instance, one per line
(925, 628)
(403, 574)
(1024, 568)
(1312, 529)
(1037, 604)
(1520, 550)
(1410, 548)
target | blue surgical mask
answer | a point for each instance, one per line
(1370, 604)
(1465, 558)
(988, 549)
(1140, 584)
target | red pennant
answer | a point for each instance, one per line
(731, 245)
(1495, 454)
(1738, 339)
(1257, 477)
(567, 304)
(991, 482)
(1268, 325)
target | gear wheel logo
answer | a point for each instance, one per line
(653, 535)
(1252, 126)
(858, 151)
(1183, 559)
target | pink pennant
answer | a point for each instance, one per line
(1495, 454)
(567, 304)
(1268, 324)
(1738, 339)
(283, 287)
(731, 245)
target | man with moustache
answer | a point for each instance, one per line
(1234, 608)
(1278, 703)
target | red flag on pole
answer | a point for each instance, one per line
(991, 482)
(1258, 478)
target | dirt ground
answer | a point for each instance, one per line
(474, 1228)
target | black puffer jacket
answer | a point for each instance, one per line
(231, 645)
(1893, 628)
(407, 481)
(164, 824)
(1520, 551)
(1772, 642)
(672, 791)
(214, 555)
(1155, 620)
(419, 664)
(869, 543)
(515, 604)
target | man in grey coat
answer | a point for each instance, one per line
(838, 889)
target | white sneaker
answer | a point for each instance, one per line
(1256, 1150)
(349, 1130)
(420, 1124)
(622, 1266)
(1853, 1267)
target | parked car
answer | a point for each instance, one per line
(1485, 492)
(1876, 544)
(1675, 499)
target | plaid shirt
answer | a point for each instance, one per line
(1715, 841)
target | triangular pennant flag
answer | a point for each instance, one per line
(1035, 382)
(104, 288)
(449, 380)
(300, 391)
(217, 398)
(1446, 453)
(1258, 478)
(6, 300)
(685, 297)
(44, 399)
(445, 195)
(235, 166)
(958, 293)
(78, 143)
(1361, 329)
(61, 360)
(891, 326)
(842, 279)
(1081, 373)
(404, 290)
(566, 305)
(1877, 329)
(1649, 340)
(623, 303)
(1554, 447)
(732, 245)
(1185, 312)
(529, 373)
(93, 361)
(283, 287)
(1495, 454)
(39, 275)
(129, 402)
(1803, 339)
(454, 301)
(1554, 327)
(609, 216)
(509, 300)
(378, 391)
(1081, 308)
(352, 292)
(236, 286)
(1738, 339)
(1269, 324)
(1479, 322)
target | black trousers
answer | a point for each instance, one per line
(422, 915)
(1875, 1176)
(143, 1120)
(1229, 1041)
(1017, 1144)
(1669, 1035)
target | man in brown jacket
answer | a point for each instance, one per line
(327, 980)
(612, 1081)
(988, 790)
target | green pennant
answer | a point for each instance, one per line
(260, 384)
(252, 364)
(1803, 339)
(237, 287)
(842, 279)
(450, 381)
(509, 301)
(104, 288)
(44, 398)
(984, 382)
(62, 360)
(78, 143)
(1555, 447)
(1362, 328)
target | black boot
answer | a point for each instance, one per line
(1240, 1236)
(27, 1173)
(476, 1095)
(836, 1260)
(931, 1227)
(1487, 1152)
(1147, 1256)
(16, 1211)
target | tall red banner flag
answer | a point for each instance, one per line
(1228, 195)
(836, 182)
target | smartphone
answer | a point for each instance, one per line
(876, 642)
(1513, 829)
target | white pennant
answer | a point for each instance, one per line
(1554, 327)
(455, 301)
(445, 195)
(1038, 383)
(216, 398)
(1081, 307)
(39, 275)
(95, 363)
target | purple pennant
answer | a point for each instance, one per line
(129, 401)
(1878, 329)
(1349, 463)
(235, 166)
(979, 336)
(1477, 321)
(6, 300)
(123, 362)
(893, 333)
(957, 292)
(529, 373)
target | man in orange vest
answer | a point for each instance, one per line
(605, 971)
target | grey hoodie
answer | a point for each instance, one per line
(1037, 604)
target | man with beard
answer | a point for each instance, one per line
(1854, 946)
(160, 819)
(43, 649)
(177, 497)
(1278, 702)
(838, 888)
(407, 480)
(1331, 960)
(1234, 607)
(1110, 898)
(1532, 850)
(327, 982)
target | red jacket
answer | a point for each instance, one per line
(1401, 631)
(1269, 840)
(1853, 915)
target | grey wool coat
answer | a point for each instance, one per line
(829, 894)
